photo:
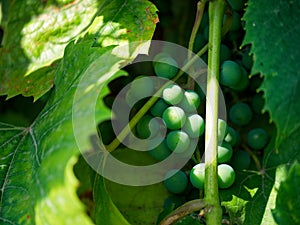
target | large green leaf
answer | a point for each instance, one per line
(36, 33)
(288, 201)
(273, 31)
(37, 181)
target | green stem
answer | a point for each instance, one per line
(199, 15)
(214, 213)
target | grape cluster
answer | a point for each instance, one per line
(241, 139)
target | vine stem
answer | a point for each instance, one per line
(214, 213)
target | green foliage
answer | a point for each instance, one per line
(287, 201)
(37, 162)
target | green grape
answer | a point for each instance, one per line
(176, 183)
(257, 138)
(106, 132)
(190, 101)
(172, 94)
(236, 4)
(200, 92)
(142, 86)
(158, 108)
(231, 136)
(197, 176)
(244, 81)
(224, 152)
(257, 103)
(147, 127)
(160, 152)
(178, 141)
(230, 74)
(165, 66)
(247, 60)
(174, 117)
(222, 130)
(241, 160)
(240, 114)
(225, 53)
(194, 126)
(226, 176)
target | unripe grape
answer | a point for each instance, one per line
(230, 74)
(176, 183)
(158, 108)
(226, 176)
(241, 160)
(172, 94)
(174, 117)
(194, 126)
(225, 53)
(147, 127)
(190, 101)
(224, 153)
(178, 141)
(142, 86)
(240, 114)
(165, 66)
(222, 130)
(257, 138)
(160, 152)
(197, 176)
(231, 136)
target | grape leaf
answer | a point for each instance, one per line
(140, 204)
(272, 30)
(35, 35)
(37, 181)
(288, 201)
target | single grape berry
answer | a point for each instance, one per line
(224, 152)
(225, 53)
(174, 117)
(178, 141)
(158, 108)
(257, 138)
(230, 74)
(147, 127)
(241, 160)
(197, 176)
(194, 126)
(160, 152)
(240, 114)
(165, 66)
(226, 176)
(176, 181)
(190, 101)
(244, 81)
(172, 94)
(222, 130)
(142, 87)
(231, 136)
